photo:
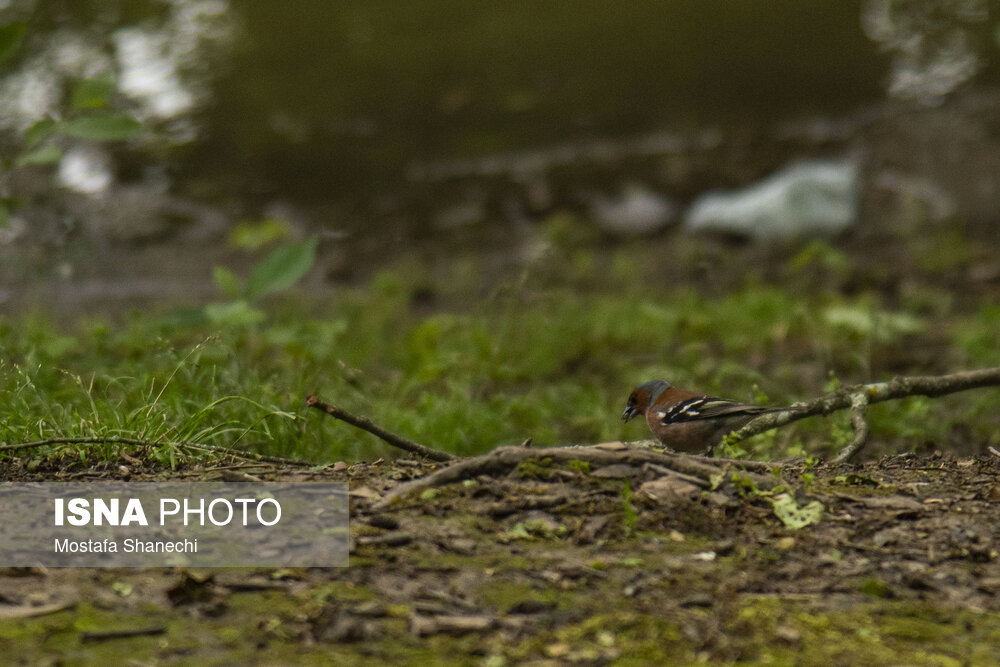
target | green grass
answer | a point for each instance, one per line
(549, 362)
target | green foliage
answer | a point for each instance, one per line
(745, 485)
(729, 449)
(89, 117)
(540, 469)
(980, 345)
(101, 126)
(796, 516)
(160, 406)
(11, 36)
(279, 270)
(854, 479)
(555, 366)
(256, 235)
(93, 94)
(865, 322)
(233, 313)
(39, 157)
(822, 254)
(227, 281)
(40, 130)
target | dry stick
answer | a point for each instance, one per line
(878, 392)
(859, 403)
(367, 425)
(105, 635)
(502, 459)
(116, 440)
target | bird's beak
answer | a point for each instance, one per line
(629, 413)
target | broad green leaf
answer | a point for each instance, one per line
(10, 39)
(4, 215)
(93, 93)
(122, 588)
(40, 130)
(795, 516)
(233, 313)
(281, 269)
(40, 156)
(227, 281)
(105, 126)
(256, 235)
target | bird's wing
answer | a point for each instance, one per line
(708, 407)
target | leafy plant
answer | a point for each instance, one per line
(279, 270)
(90, 117)
(11, 36)
(784, 506)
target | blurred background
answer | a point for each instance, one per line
(844, 153)
(435, 127)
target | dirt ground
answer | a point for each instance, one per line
(559, 564)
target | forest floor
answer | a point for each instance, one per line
(558, 564)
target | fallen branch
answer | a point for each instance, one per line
(367, 425)
(502, 459)
(148, 444)
(878, 392)
(859, 403)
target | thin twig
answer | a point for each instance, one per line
(879, 392)
(697, 481)
(366, 424)
(859, 403)
(105, 635)
(502, 459)
(148, 444)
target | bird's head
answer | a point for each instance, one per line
(642, 397)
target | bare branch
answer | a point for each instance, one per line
(503, 459)
(368, 425)
(859, 403)
(879, 392)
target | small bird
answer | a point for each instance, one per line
(688, 421)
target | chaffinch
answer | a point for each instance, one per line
(688, 421)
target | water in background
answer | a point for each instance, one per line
(396, 120)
